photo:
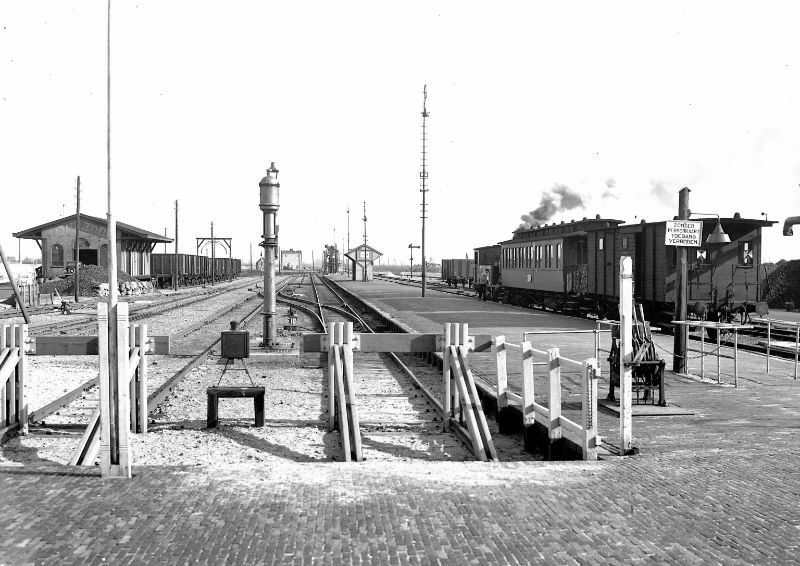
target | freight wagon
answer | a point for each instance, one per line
(457, 271)
(192, 269)
(574, 267)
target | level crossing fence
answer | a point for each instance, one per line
(123, 404)
(13, 405)
(461, 402)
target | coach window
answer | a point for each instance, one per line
(57, 257)
(600, 243)
(624, 242)
(558, 256)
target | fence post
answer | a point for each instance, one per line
(455, 403)
(500, 352)
(341, 401)
(104, 381)
(331, 376)
(11, 384)
(626, 354)
(446, 377)
(142, 342)
(554, 379)
(123, 360)
(22, 396)
(591, 373)
(349, 381)
(528, 411)
(3, 388)
(132, 388)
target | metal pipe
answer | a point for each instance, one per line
(787, 225)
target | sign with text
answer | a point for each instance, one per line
(684, 233)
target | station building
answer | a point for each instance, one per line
(56, 240)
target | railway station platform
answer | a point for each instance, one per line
(715, 482)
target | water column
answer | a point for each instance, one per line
(269, 188)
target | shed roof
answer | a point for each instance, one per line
(126, 229)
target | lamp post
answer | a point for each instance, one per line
(269, 189)
(717, 236)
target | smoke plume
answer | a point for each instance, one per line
(609, 192)
(558, 199)
(660, 191)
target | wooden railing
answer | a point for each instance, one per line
(13, 406)
(131, 395)
(545, 428)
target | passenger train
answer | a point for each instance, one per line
(574, 267)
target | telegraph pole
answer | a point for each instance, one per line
(349, 262)
(77, 241)
(213, 253)
(424, 177)
(175, 266)
(365, 240)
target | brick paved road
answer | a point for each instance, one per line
(721, 486)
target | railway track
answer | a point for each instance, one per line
(384, 380)
(84, 397)
(138, 312)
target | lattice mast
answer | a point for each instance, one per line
(424, 178)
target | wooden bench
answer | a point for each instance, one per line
(214, 394)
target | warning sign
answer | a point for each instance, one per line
(684, 233)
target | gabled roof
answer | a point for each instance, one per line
(127, 230)
(375, 253)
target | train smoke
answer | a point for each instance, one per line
(660, 191)
(558, 199)
(609, 192)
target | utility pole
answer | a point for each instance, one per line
(251, 256)
(175, 266)
(165, 244)
(424, 177)
(77, 241)
(213, 253)
(349, 262)
(365, 240)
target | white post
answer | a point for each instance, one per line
(331, 376)
(554, 380)
(141, 341)
(528, 410)
(123, 358)
(22, 341)
(500, 352)
(591, 373)
(626, 353)
(446, 377)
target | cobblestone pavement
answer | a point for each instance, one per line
(716, 486)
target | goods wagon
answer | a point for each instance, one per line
(457, 271)
(192, 269)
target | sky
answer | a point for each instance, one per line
(585, 107)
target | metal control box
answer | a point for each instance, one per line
(235, 344)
